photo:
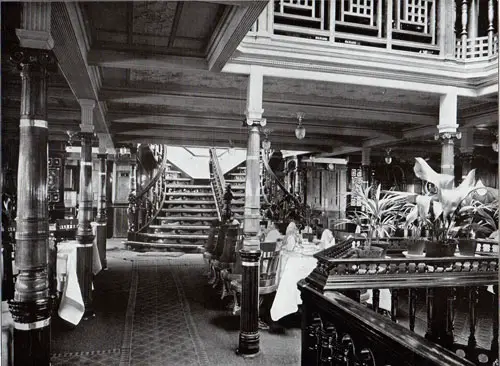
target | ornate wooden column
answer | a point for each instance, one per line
(102, 219)
(31, 306)
(365, 165)
(84, 234)
(448, 131)
(249, 325)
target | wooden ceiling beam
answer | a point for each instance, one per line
(284, 109)
(139, 60)
(71, 44)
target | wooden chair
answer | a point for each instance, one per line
(210, 245)
(269, 273)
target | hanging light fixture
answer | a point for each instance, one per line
(266, 144)
(300, 131)
(388, 157)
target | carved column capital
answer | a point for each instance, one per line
(259, 122)
(448, 137)
(33, 59)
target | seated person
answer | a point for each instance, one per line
(327, 239)
(273, 234)
(291, 236)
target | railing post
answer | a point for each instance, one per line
(132, 198)
(388, 23)
(491, 28)
(464, 29)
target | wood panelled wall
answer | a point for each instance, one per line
(326, 189)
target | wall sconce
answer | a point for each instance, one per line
(494, 144)
(300, 131)
(266, 144)
(388, 157)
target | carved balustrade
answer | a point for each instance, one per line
(395, 25)
(217, 182)
(437, 280)
(147, 204)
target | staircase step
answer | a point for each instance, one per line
(179, 179)
(188, 186)
(238, 173)
(190, 194)
(186, 218)
(176, 236)
(194, 210)
(235, 181)
(163, 246)
(180, 227)
(190, 202)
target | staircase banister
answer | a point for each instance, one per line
(278, 182)
(217, 182)
(386, 341)
(152, 182)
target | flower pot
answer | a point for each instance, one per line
(416, 246)
(372, 252)
(467, 247)
(441, 249)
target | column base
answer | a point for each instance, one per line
(32, 347)
(31, 332)
(248, 346)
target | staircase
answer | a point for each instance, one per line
(236, 177)
(184, 219)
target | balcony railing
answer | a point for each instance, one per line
(421, 26)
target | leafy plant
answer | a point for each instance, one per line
(379, 212)
(446, 212)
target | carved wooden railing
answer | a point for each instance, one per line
(149, 201)
(217, 182)
(349, 323)
(336, 330)
(286, 202)
(394, 25)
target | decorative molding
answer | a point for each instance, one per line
(342, 59)
(35, 26)
(234, 25)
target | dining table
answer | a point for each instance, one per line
(294, 266)
(71, 306)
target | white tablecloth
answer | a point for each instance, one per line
(294, 267)
(72, 307)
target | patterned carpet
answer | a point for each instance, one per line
(159, 310)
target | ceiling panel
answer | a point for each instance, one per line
(109, 16)
(153, 17)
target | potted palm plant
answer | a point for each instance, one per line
(376, 218)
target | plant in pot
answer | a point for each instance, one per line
(376, 218)
(415, 243)
(477, 219)
(444, 211)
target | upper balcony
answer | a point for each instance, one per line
(415, 34)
